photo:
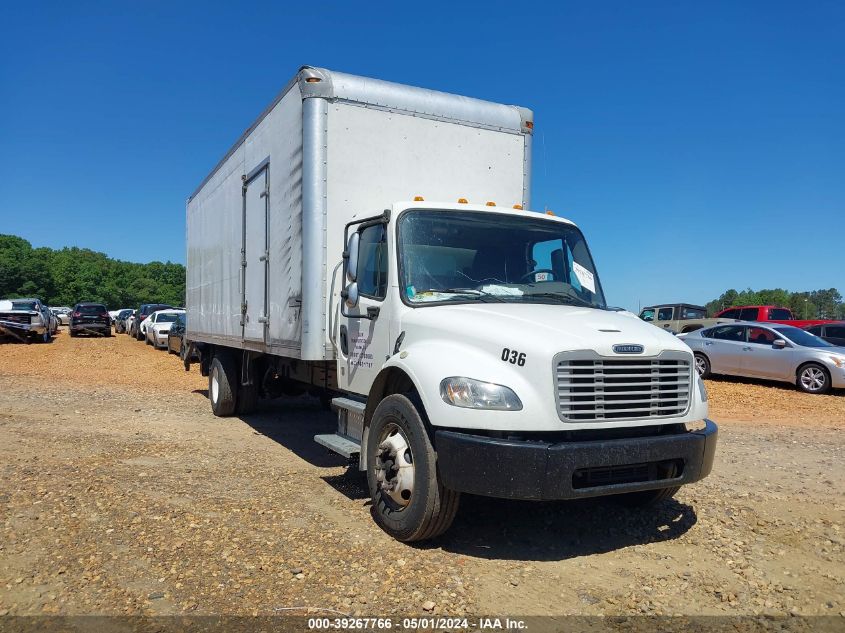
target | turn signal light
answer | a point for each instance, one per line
(418, 199)
(550, 212)
(312, 80)
(491, 204)
(462, 200)
(529, 125)
(518, 207)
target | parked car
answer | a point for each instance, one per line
(158, 327)
(26, 320)
(62, 314)
(90, 318)
(678, 318)
(129, 324)
(176, 341)
(145, 310)
(120, 320)
(831, 332)
(775, 352)
(768, 314)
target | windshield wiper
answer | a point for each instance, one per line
(473, 292)
(563, 299)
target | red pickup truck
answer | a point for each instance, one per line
(772, 314)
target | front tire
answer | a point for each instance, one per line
(702, 365)
(409, 502)
(223, 385)
(813, 378)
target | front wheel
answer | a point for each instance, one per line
(813, 378)
(702, 365)
(409, 502)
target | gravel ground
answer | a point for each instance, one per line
(120, 493)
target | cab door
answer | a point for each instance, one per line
(665, 317)
(364, 332)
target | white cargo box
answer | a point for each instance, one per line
(265, 228)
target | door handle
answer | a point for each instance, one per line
(344, 340)
(746, 349)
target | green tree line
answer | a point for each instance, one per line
(813, 304)
(67, 276)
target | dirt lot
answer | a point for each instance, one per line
(121, 493)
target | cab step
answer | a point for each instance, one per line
(339, 444)
(350, 428)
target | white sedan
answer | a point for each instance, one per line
(62, 315)
(157, 325)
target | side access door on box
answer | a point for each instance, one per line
(255, 253)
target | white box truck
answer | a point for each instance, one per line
(370, 242)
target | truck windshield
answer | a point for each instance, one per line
(454, 256)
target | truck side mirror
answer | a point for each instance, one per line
(352, 258)
(350, 295)
(779, 344)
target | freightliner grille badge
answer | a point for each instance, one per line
(628, 349)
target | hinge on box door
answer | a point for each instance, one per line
(265, 193)
(263, 319)
(265, 257)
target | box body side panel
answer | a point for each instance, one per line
(214, 227)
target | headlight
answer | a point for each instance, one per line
(839, 361)
(702, 390)
(475, 394)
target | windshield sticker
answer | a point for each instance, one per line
(585, 277)
(411, 291)
(502, 290)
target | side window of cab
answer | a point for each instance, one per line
(372, 262)
(666, 313)
(647, 314)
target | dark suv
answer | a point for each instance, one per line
(89, 318)
(142, 313)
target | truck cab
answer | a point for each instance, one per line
(487, 361)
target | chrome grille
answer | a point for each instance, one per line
(594, 388)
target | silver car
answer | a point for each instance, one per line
(774, 352)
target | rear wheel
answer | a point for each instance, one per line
(223, 384)
(702, 365)
(813, 378)
(409, 503)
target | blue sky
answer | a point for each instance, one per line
(700, 146)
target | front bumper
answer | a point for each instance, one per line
(519, 469)
(14, 327)
(160, 338)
